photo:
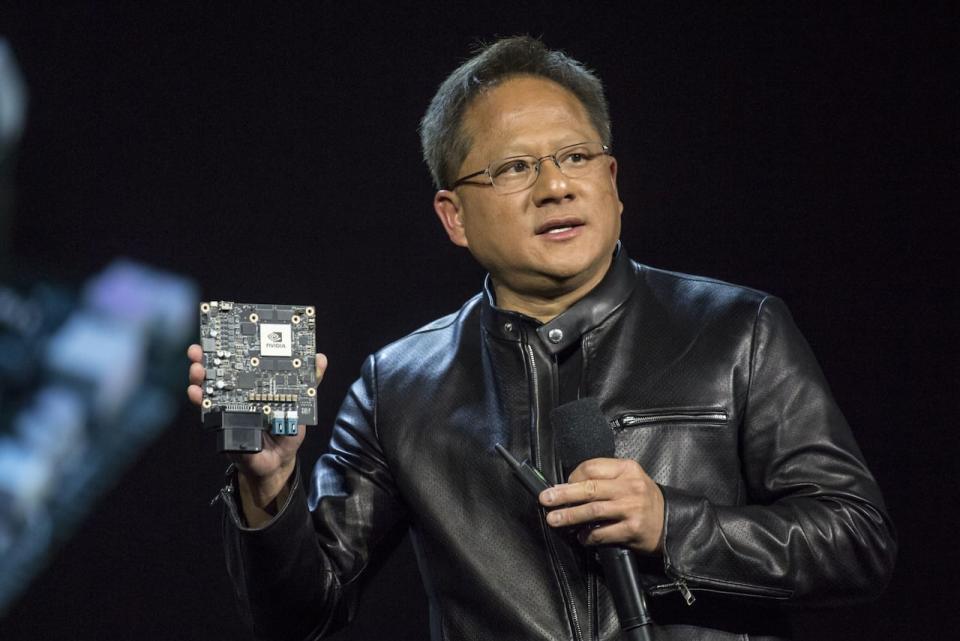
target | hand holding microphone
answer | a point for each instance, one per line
(615, 496)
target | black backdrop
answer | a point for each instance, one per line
(808, 151)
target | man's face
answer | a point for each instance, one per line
(551, 238)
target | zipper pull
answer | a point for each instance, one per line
(685, 591)
(228, 486)
(219, 496)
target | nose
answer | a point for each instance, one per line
(551, 185)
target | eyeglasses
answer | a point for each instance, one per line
(516, 173)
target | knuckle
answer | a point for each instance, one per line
(590, 489)
(595, 510)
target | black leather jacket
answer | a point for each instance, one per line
(709, 386)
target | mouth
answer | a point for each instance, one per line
(559, 226)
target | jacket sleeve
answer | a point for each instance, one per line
(814, 527)
(295, 578)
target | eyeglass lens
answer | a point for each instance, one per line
(519, 172)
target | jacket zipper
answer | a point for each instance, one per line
(224, 493)
(554, 556)
(536, 408)
(638, 419)
(593, 597)
(680, 585)
(685, 591)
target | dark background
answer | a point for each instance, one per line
(808, 151)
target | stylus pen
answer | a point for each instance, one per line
(530, 476)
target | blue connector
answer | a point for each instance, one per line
(278, 424)
(292, 422)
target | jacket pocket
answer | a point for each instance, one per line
(704, 416)
(693, 448)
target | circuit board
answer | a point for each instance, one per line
(260, 365)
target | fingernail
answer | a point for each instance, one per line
(548, 496)
(553, 518)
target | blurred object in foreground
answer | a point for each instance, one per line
(13, 116)
(85, 384)
(13, 101)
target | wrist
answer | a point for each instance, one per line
(266, 492)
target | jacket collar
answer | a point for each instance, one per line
(567, 328)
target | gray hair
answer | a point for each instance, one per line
(444, 141)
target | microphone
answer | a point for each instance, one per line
(583, 433)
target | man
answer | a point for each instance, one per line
(736, 480)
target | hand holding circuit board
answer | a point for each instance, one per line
(254, 372)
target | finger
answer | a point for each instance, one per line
(582, 492)
(587, 513)
(602, 468)
(195, 394)
(321, 366)
(195, 353)
(606, 534)
(197, 373)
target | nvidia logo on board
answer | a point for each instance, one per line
(275, 340)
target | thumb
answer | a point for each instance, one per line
(321, 366)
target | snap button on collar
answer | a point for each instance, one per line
(555, 335)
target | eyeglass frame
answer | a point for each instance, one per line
(463, 179)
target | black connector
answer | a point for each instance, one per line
(236, 431)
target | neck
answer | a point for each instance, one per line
(544, 306)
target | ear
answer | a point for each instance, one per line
(449, 209)
(613, 178)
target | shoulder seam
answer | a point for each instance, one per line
(753, 351)
(374, 386)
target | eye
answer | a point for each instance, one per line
(576, 157)
(512, 167)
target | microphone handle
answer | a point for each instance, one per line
(623, 582)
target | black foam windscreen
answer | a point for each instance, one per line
(582, 433)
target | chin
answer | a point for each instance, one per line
(577, 266)
(558, 279)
